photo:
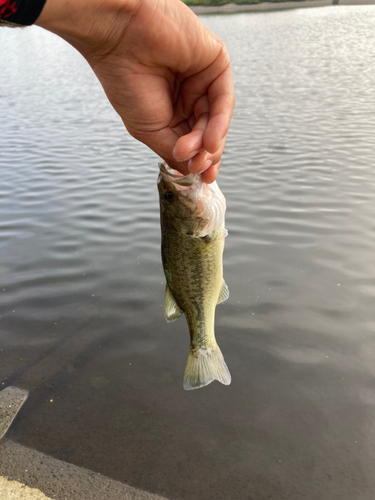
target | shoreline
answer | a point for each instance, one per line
(264, 6)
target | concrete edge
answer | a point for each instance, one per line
(265, 6)
(11, 401)
(27, 472)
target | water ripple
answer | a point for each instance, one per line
(82, 289)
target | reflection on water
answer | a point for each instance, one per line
(81, 285)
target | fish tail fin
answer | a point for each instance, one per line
(204, 366)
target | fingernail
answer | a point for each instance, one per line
(220, 144)
(189, 167)
(189, 156)
(207, 164)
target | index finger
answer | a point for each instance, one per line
(221, 101)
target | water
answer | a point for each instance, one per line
(81, 284)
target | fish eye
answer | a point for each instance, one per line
(169, 196)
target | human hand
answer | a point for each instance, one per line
(164, 72)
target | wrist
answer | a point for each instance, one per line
(88, 24)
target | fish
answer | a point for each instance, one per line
(192, 215)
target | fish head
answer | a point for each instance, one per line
(187, 204)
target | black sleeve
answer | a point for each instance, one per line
(20, 12)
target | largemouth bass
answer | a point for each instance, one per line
(192, 226)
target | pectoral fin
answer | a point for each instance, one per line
(172, 310)
(224, 293)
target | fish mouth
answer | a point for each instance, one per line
(171, 175)
(198, 200)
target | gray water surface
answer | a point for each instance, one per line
(81, 284)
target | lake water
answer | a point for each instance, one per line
(82, 288)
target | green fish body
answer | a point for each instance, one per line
(192, 224)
